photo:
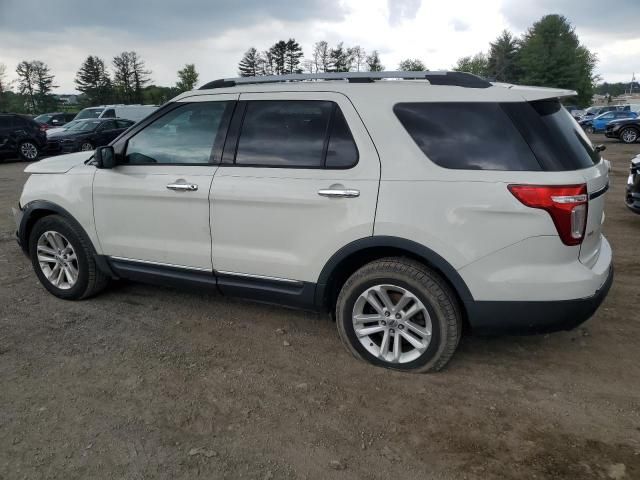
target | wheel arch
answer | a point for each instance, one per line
(356, 254)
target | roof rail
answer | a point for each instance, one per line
(459, 79)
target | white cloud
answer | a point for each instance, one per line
(215, 38)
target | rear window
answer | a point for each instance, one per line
(524, 136)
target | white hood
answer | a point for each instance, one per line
(60, 164)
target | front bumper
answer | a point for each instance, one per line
(526, 317)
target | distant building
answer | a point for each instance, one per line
(67, 99)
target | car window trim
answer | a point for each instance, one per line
(121, 143)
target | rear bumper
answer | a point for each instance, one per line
(525, 317)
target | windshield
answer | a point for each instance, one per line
(71, 124)
(43, 118)
(85, 126)
(89, 113)
(592, 110)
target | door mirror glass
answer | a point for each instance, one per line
(105, 157)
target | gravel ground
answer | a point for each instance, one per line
(147, 382)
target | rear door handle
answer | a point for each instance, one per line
(339, 192)
(182, 186)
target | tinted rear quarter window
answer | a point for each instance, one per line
(471, 136)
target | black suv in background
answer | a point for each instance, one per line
(632, 197)
(49, 120)
(627, 131)
(20, 135)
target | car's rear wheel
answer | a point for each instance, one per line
(63, 259)
(86, 147)
(28, 151)
(629, 135)
(397, 313)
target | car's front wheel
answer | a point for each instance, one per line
(86, 147)
(397, 313)
(629, 135)
(63, 259)
(28, 151)
(589, 129)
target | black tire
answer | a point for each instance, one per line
(90, 279)
(31, 146)
(429, 287)
(86, 143)
(629, 135)
(589, 130)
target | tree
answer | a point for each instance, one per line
(249, 66)
(321, 57)
(27, 83)
(503, 57)
(35, 82)
(551, 56)
(266, 63)
(3, 75)
(373, 62)
(278, 55)
(187, 78)
(358, 56)
(339, 59)
(93, 80)
(411, 65)
(292, 57)
(478, 65)
(130, 76)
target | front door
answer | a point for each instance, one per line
(154, 205)
(298, 181)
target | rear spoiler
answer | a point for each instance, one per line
(537, 93)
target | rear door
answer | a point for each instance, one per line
(5, 130)
(299, 180)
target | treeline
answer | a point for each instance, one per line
(128, 81)
(286, 56)
(549, 54)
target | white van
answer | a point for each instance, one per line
(129, 112)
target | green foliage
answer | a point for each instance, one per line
(35, 82)
(155, 95)
(339, 59)
(478, 65)
(249, 66)
(374, 63)
(93, 81)
(187, 78)
(293, 55)
(551, 56)
(615, 89)
(412, 65)
(129, 77)
(503, 58)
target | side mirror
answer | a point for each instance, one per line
(54, 121)
(104, 157)
(600, 148)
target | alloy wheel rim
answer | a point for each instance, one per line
(57, 259)
(392, 324)
(86, 147)
(629, 136)
(29, 150)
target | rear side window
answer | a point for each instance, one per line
(110, 113)
(295, 134)
(470, 136)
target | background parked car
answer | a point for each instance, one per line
(20, 135)
(66, 126)
(130, 112)
(632, 198)
(628, 131)
(49, 120)
(599, 123)
(592, 112)
(86, 135)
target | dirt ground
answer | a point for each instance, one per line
(145, 382)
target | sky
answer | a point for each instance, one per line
(214, 34)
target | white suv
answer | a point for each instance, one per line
(407, 207)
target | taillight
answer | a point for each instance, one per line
(43, 127)
(567, 204)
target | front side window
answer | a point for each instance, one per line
(110, 125)
(295, 134)
(110, 113)
(184, 135)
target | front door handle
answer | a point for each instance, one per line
(339, 192)
(182, 186)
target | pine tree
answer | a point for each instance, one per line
(339, 59)
(503, 58)
(249, 66)
(412, 65)
(44, 85)
(293, 54)
(551, 56)
(373, 62)
(278, 54)
(93, 80)
(187, 78)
